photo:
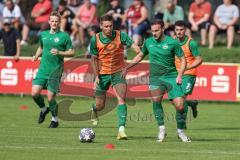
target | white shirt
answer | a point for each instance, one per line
(227, 13)
(15, 13)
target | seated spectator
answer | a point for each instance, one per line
(172, 14)
(225, 19)
(11, 39)
(74, 5)
(198, 17)
(13, 12)
(117, 13)
(86, 17)
(67, 16)
(40, 14)
(136, 18)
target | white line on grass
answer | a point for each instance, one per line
(120, 149)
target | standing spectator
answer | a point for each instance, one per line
(67, 16)
(85, 18)
(40, 14)
(225, 19)
(11, 40)
(136, 18)
(199, 15)
(172, 14)
(117, 13)
(13, 12)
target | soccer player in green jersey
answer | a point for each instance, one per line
(194, 59)
(54, 45)
(162, 51)
(107, 49)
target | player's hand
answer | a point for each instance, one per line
(96, 83)
(34, 58)
(179, 79)
(54, 51)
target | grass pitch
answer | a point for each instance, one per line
(215, 133)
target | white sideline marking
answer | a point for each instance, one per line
(120, 149)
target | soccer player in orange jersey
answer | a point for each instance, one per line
(194, 59)
(107, 49)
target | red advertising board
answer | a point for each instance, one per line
(215, 82)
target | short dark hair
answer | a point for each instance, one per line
(180, 24)
(157, 21)
(106, 17)
(63, 3)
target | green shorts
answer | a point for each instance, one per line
(105, 80)
(169, 85)
(188, 82)
(49, 84)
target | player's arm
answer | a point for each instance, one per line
(69, 53)
(138, 58)
(179, 53)
(94, 62)
(37, 54)
(94, 59)
(198, 58)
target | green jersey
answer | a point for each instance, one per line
(52, 63)
(193, 46)
(162, 56)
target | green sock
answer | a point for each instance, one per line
(181, 119)
(158, 113)
(122, 114)
(53, 107)
(39, 100)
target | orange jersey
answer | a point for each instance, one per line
(189, 58)
(111, 55)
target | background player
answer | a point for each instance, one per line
(193, 58)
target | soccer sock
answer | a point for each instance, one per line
(55, 119)
(158, 113)
(181, 119)
(121, 129)
(53, 107)
(122, 114)
(39, 100)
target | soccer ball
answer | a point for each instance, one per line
(86, 135)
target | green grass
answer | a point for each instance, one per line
(215, 134)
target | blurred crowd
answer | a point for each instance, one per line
(80, 19)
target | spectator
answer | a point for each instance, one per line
(225, 19)
(1, 14)
(91, 31)
(67, 16)
(86, 17)
(199, 15)
(11, 39)
(40, 14)
(74, 5)
(172, 14)
(13, 12)
(117, 13)
(136, 18)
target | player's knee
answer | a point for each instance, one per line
(100, 106)
(35, 94)
(179, 107)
